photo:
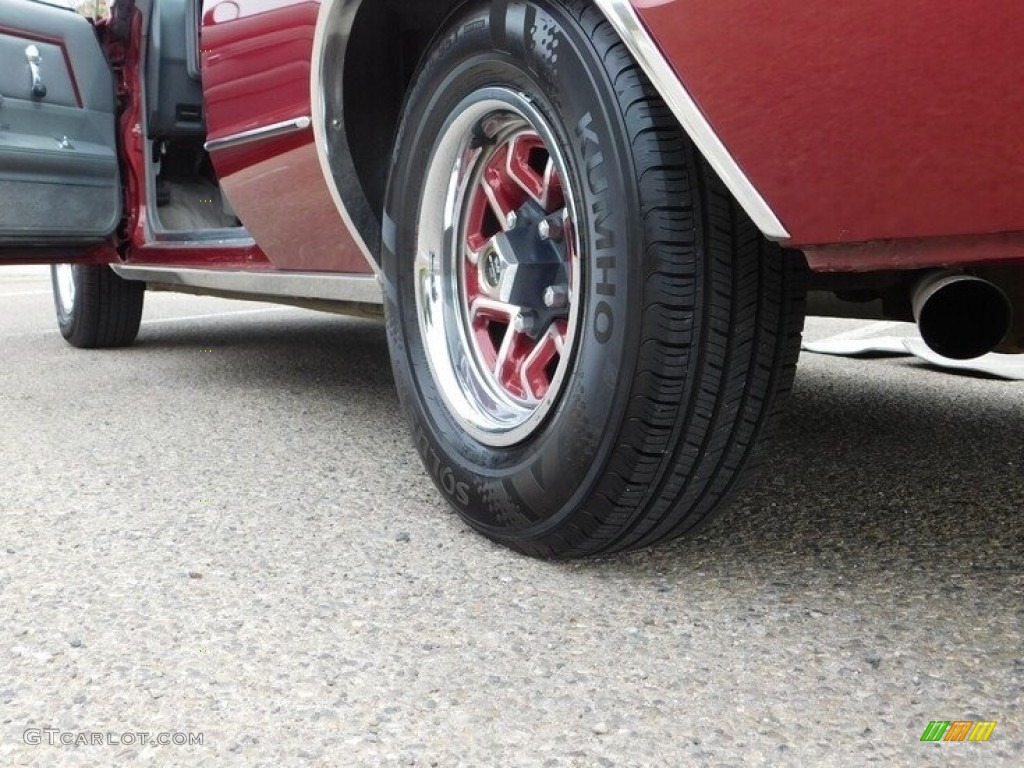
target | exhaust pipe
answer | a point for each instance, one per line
(961, 316)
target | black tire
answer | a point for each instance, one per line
(691, 320)
(101, 311)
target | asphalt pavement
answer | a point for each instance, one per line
(223, 534)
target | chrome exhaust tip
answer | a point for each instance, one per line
(961, 316)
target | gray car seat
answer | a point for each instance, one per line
(173, 85)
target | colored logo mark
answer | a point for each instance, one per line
(958, 730)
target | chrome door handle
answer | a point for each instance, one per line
(33, 57)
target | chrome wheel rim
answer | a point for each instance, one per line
(497, 271)
(64, 282)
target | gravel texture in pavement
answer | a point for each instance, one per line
(225, 530)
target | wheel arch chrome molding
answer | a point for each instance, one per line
(627, 24)
(333, 31)
(330, 43)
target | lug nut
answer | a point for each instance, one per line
(550, 230)
(556, 297)
(524, 323)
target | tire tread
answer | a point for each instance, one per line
(695, 424)
(107, 312)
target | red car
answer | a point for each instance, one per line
(590, 225)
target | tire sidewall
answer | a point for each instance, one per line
(67, 321)
(525, 490)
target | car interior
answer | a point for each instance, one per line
(58, 146)
(184, 194)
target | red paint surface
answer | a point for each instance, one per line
(866, 121)
(256, 72)
(256, 62)
(286, 207)
(862, 120)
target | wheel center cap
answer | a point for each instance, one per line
(493, 269)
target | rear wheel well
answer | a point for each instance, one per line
(382, 51)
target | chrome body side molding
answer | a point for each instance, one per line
(627, 24)
(312, 286)
(258, 134)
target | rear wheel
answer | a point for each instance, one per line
(95, 307)
(591, 340)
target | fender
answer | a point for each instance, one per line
(331, 42)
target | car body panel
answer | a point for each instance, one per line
(881, 136)
(256, 58)
(861, 121)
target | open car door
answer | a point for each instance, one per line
(59, 180)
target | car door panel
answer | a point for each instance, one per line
(256, 80)
(59, 176)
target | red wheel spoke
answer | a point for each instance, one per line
(473, 290)
(530, 166)
(481, 223)
(515, 346)
(493, 201)
(521, 364)
(491, 322)
(535, 371)
(505, 198)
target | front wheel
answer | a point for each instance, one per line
(95, 307)
(590, 338)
